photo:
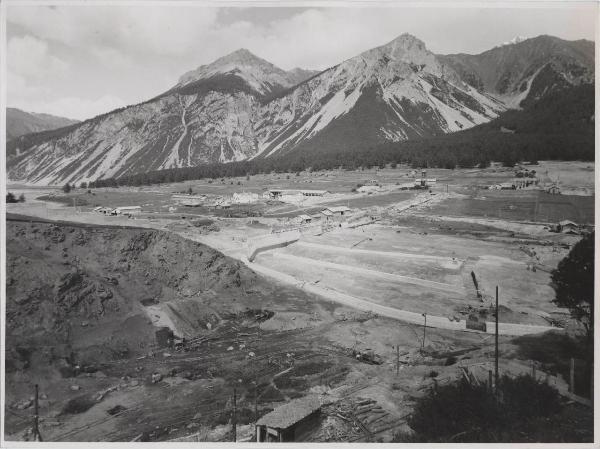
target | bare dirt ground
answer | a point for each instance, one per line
(86, 294)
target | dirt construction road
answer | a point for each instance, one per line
(394, 277)
(390, 312)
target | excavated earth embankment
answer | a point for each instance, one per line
(78, 295)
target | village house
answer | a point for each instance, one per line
(103, 210)
(338, 211)
(335, 214)
(305, 219)
(568, 227)
(128, 210)
(327, 215)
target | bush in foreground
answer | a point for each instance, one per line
(467, 413)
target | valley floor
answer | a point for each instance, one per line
(287, 324)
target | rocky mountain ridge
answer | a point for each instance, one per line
(242, 107)
(19, 123)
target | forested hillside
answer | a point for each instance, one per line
(560, 126)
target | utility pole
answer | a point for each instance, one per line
(36, 429)
(424, 327)
(255, 401)
(234, 418)
(256, 377)
(572, 376)
(496, 377)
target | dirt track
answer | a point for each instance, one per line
(393, 277)
(402, 315)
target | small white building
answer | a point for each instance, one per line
(568, 227)
(339, 210)
(128, 210)
(335, 213)
(103, 210)
(425, 181)
(327, 215)
(304, 219)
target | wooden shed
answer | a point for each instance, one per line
(290, 421)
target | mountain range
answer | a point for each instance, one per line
(19, 123)
(241, 107)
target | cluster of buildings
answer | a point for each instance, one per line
(330, 216)
(123, 210)
(292, 195)
(224, 202)
(524, 179)
(516, 183)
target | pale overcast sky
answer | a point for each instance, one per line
(82, 60)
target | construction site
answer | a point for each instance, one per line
(318, 306)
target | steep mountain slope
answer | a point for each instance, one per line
(525, 70)
(19, 122)
(394, 92)
(241, 107)
(298, 75)
(559, 126)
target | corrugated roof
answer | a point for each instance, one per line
(290, 413)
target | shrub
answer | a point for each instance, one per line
(10, 198)
(463, 412)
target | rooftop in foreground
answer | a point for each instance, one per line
(290, 413)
